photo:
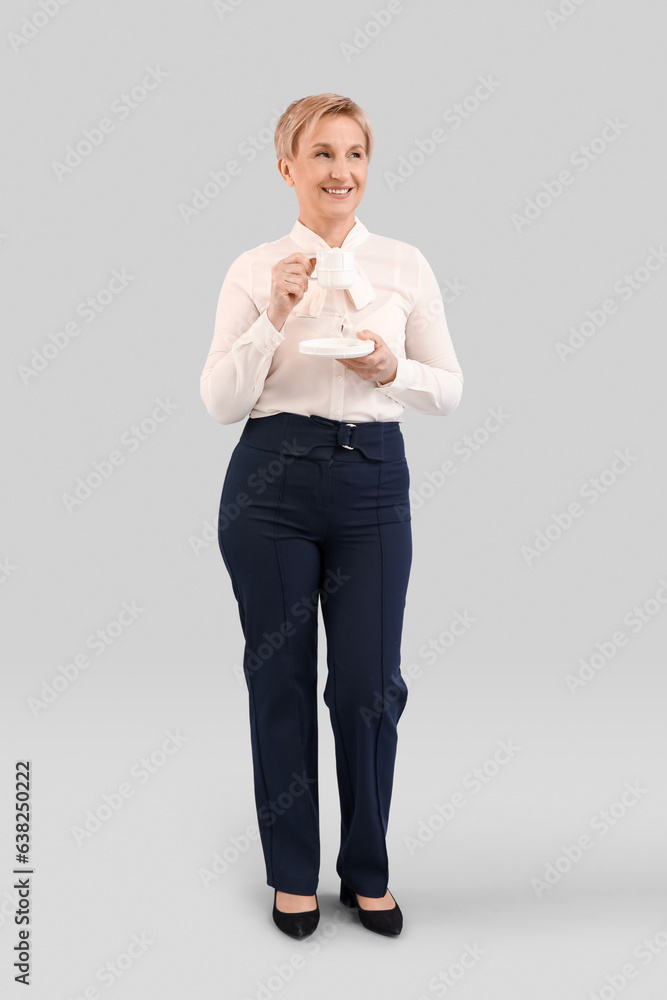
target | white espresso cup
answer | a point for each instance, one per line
(334, 268)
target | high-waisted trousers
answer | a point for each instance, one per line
(314, 513)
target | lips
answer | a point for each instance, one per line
(337, 192)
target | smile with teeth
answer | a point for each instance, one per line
(337, 190)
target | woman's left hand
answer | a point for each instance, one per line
(381, 365)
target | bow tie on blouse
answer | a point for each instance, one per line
(361, 293)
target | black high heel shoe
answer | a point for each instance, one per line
(389, 922)
(297, 925)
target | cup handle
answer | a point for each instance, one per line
(313, 275)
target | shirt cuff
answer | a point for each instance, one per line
(264, 335)
(401, 380)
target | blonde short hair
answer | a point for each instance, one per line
(300, 118)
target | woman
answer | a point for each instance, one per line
(315, 505)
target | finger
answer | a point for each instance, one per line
(301, 258)
(291, 285)
(297, 268)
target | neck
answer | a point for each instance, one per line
(332, 231)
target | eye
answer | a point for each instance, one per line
(324, 153)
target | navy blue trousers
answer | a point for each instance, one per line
(315, 513)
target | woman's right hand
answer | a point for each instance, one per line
(289, 283)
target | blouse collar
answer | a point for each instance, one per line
(309, 240)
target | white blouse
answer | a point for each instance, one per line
(254, 369)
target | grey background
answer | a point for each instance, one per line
(228, 74)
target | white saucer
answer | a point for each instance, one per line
(337, 347)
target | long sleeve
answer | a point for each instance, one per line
(254, 371)
(244, 341)
(429, 378)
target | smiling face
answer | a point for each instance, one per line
(328, 173)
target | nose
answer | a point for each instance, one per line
(339, 168)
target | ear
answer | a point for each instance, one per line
(283, 168)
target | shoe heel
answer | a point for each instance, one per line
(347, 896)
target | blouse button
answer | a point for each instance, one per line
(339, 378)
(336, 411)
